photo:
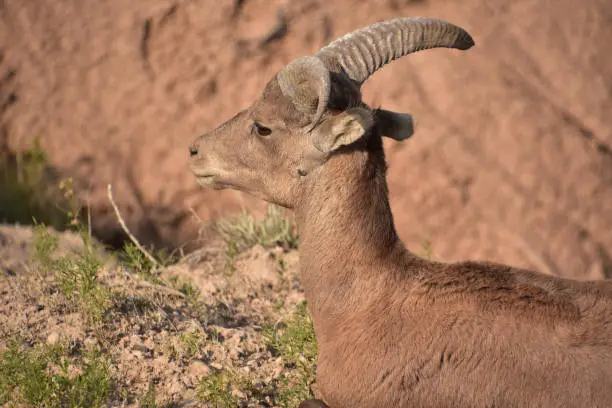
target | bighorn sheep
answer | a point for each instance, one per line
(393, 329)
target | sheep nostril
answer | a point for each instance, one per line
(193, 150)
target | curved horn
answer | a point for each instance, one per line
(360, 53)
(306, 81)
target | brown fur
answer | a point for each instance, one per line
(313, 403)
(393, 329)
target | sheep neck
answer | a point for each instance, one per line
(347, 236)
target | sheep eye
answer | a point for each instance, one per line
(261, 130)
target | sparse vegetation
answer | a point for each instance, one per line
(216, 389)
(133, 258)
(217, 329)
(281, 271)
(243, 232)
(230, 387)
(231, 254)
(25, 192)
(149, 399)
(45, 376)
(295, 342)
(191, 341)
(187, 344)
(76, 274)
(275, 229)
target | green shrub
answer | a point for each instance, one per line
(43, 376)
(76, 274)
(295, 342)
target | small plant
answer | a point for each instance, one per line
(149, 399)
(229, 388)
(133, 258)
(245, 232)
(297, 346)
(186, 286)
(190, 291)
(25, 188)
(78, 279)
(77, 275)
(74, 205)
(230, 258)
(216, 389)
(191, 343)
(45, 246)
(44, 376)
(281, 271)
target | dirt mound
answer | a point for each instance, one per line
(511, 160)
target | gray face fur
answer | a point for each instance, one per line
(310, 109)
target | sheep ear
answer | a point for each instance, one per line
(397, 126)
(343, 129)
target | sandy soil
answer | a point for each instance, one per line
(511, 160)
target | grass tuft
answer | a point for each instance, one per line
(243, 232)
(133, 258)
(275, 229)
(216, 389)
(76, 275)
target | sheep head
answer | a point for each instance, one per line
(311, 109)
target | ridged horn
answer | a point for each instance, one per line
(360, 53)
(306, 81)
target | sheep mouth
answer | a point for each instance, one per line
(204, 176)
(210, 180)
(207, 180)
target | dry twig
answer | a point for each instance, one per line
(127, 231)
(140, 248)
